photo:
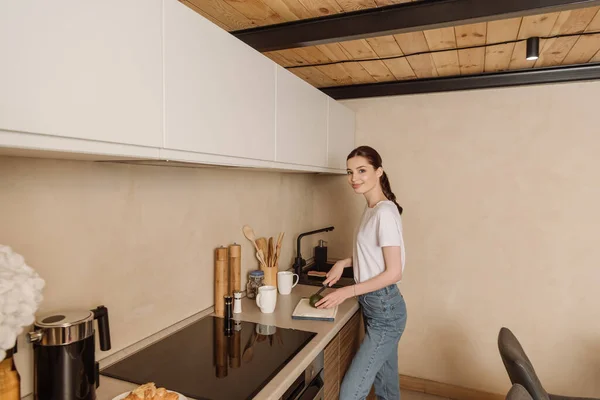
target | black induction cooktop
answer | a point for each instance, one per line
(213, 360)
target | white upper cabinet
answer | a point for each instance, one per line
(154, 79)
(301, 121)
(80, 69)
(340, 135)
(219, 92)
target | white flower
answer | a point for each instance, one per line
(20, 296)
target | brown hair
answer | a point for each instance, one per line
(375, 160)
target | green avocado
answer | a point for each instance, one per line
(314, 299)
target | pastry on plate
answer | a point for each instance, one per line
(148, 391)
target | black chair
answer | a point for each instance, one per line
(520, 369)
(518, 392)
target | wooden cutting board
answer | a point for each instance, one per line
(305, 311)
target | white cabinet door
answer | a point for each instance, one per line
(219, 92)
(301, 121)
(340, 135)
(81, 69)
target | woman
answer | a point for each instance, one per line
(378, 263)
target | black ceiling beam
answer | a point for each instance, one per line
(582, 72)
(394, 19)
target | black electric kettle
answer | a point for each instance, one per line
(65, 366)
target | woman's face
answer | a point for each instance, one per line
(361, 175)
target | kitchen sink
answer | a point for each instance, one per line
(347, 278)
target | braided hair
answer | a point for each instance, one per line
(375, 160)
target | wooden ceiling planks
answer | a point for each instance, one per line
(220, 13)
(446, 60)
(275, 56)
(320, 8)
(415, 42)
(379, 71)
(446, 63)
(381, 3)
(290, 10)
(235, 14)
(497, 57)
(387, 46)
(555, 50)
(312, 55)
(334, 51)
(472, 61)
(361, 49)
(355, 5)
(292, 57)
(314, 76)
(256, 11)
(586, 46)
(336, 73)
(534, 25)
(355, 71)
(358, 49)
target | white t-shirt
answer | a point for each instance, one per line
(380, 226)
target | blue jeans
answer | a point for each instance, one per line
(384, 314)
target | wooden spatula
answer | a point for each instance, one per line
(278, 248)
(249, 233)
(262, 244)
(271, 257)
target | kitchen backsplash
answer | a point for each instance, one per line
(140, 239)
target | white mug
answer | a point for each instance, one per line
(285, 281)
(266, 299)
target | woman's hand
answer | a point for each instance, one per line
(335, 273)
(335, 298)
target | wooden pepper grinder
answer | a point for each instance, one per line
(221, 280)
(235, 268)
(10, 380)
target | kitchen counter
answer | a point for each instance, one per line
(282, 317)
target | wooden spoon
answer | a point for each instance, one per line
(249, 233)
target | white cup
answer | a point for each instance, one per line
(285, 281)
(266, 299)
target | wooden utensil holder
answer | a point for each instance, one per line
(270, 275)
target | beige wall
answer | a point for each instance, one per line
(501, 191)
(140, 239)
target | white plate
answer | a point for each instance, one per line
(123, 395)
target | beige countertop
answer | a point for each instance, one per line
(282, 317)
